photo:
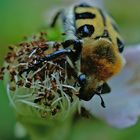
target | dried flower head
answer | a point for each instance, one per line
(42, 89)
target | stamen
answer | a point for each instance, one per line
(35, 76)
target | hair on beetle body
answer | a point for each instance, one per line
(93, 47)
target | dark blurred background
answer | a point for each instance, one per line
(20, 18)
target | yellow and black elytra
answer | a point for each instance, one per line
(93, 47)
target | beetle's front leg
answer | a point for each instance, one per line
(77, 48)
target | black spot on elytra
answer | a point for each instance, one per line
(120, 45)
(104, 35)
(85, 15)
(85, 31)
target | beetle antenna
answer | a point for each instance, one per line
(102, 101)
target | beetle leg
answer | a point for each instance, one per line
(48, 57)
(56, 18)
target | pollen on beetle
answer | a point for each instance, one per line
(42, 90)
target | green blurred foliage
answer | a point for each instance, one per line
(21, 18)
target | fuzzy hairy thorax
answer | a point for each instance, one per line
(100, 59)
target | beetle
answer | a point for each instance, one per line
(93, 47)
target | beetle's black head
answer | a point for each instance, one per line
(90, 87)
(87, 87)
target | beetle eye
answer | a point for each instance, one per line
(82, 79)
